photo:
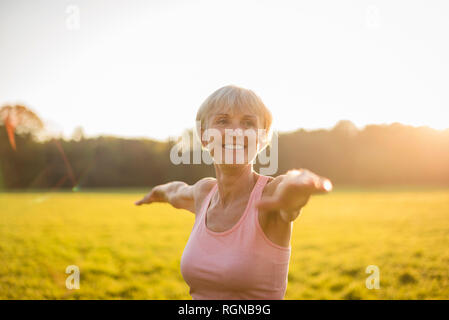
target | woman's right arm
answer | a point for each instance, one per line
(179, 194)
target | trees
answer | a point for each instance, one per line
(19, 119)
(393, 154)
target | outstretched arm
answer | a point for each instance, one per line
(292, 191)
(179, 194)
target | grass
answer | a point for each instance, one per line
(129, 252)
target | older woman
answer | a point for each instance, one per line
(239, 246)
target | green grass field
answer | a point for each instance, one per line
(129, 252)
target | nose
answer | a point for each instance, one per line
(234, 135)
(233, 131)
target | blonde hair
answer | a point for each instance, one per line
(232, 98)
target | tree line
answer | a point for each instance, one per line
(393, 154)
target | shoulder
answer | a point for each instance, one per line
(202, 188)
(271, 222)
(204, 185)
(272, 184)
(268, 192)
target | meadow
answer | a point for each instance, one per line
(129, 252)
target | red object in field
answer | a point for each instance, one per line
(10, 131)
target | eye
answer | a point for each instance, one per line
(249, 123)
(221, 121)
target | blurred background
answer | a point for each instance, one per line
(94, 95)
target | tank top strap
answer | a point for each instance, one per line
(257, 191)
(206, 200)
(260, 185)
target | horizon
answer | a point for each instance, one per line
(177, 137)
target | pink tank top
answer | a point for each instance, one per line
(239, 263)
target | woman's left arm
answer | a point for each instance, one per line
(292, 192)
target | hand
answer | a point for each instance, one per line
(155, 195)
(294, 191)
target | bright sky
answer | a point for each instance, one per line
(142, 68)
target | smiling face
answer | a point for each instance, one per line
(233, 138)
(234, 125)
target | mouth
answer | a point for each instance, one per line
(233, 146)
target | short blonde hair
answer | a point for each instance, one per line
(231, 98)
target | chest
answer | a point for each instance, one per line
(220, 220)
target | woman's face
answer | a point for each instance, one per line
(233, 139)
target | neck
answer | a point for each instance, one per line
(234, 182)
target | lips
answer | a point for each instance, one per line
(233, 146)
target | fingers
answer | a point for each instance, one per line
(144, 200)
(324, 184)
(327, 185)
(317, 183)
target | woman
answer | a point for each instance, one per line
(239, 247)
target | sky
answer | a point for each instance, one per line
(142, 68)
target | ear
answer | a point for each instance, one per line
(204, 142)
(263, 141)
